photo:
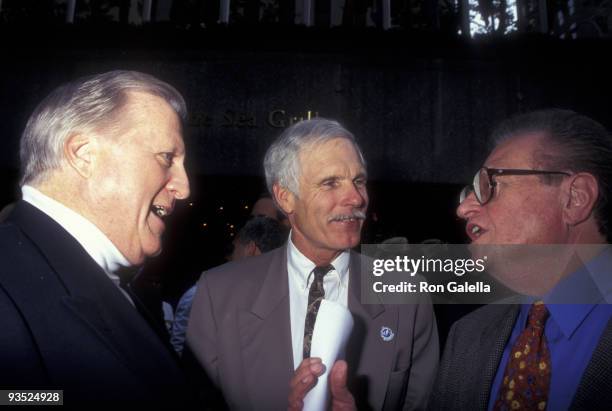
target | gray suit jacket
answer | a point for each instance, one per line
(240, 332)
(474, 349)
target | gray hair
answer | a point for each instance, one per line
(84, 105)
(281, 162)
(577, 144)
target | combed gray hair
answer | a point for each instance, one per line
(84, 105)
(281, 162)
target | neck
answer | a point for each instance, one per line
(319, 256)
(61, 194)
(587, 233)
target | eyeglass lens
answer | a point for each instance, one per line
(465, 192)
(484, 188)
(481, 186)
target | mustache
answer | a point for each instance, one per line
(356, 214)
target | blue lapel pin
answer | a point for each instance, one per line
(386, 333)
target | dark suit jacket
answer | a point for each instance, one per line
(474, 349)
(240, 331)
(65, 325)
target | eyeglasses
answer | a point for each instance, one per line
(483, 185)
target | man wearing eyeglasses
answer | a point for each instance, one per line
(547, 182)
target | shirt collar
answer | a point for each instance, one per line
(303, 266)
(95, 243)
(576, 295)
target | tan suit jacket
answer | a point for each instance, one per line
(240, 332)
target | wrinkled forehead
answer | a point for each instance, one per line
(330, 151)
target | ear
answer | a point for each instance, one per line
(581, 198)
(284, 198)
(79, 153)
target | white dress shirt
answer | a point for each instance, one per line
(335, 284)
(95, 243)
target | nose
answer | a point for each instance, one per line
(468, 207)
(357, 195)
(179, 183)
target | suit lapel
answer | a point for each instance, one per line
(372, 310)
(93, 298)
(158, 327)
(492, 343)
(265, 335)
(365, 338)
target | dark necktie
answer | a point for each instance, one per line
(315, 295)
(527, 377)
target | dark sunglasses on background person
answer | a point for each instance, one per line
(483, 185)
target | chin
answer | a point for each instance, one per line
(152, 250)
(154, 253)
(349, 242)
(134, 259)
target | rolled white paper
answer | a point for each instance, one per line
(331, 332)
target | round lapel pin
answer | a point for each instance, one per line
(386, 333)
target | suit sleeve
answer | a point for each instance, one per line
(425, 357)
(21, 364)
(202, 331)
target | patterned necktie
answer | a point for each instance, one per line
(527, 378)
(315, 295)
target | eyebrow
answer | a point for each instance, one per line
(176, 150)
(337, 177)
(330, 177)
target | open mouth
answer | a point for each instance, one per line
(348, 218)
(474, 231)
(160, 211)
(345, 219)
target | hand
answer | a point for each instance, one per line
(306, 376)
(303, 380)
(342, 399)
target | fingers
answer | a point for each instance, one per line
(338, 379)
(342, 399)
(307, 372)
(303, 380)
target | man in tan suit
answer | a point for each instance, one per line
(249, 318)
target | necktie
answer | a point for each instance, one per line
(527, 377)
(315, 295)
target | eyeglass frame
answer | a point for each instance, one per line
(492, 172)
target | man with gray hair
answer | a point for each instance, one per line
(252, 320)
(102, 166)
